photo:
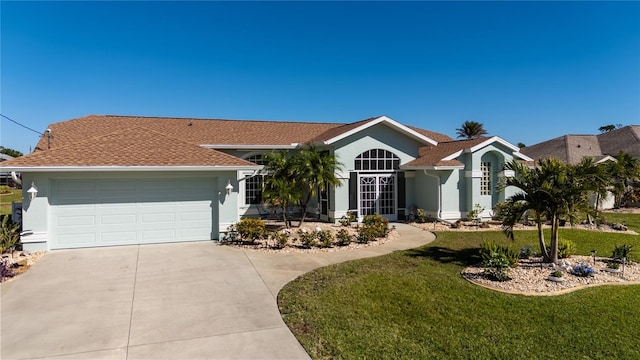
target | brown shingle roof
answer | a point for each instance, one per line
(569, 149)
(626, 139)
(195, 131)
(132, 146)
(434, 155)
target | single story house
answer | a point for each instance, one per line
(571, 149)
(103, 180)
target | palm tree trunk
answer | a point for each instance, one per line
(555, 224)
(543, 247)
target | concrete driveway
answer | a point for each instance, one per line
(172, 301)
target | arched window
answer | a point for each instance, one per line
(253, 186)
(377, 160)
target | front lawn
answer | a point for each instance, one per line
(414, 304)
(6, 199)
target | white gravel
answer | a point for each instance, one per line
(530, 276)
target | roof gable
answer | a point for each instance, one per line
(445, 154)
(342, 132)
(130, 147)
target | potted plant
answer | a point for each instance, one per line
(556, 276)
(613, 266)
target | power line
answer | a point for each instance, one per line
(24, 126)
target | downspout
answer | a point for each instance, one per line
(15, 178)
(439, 212)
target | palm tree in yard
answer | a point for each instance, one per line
(470, 130)
(553, 191)
(279, 188)
(314, 171)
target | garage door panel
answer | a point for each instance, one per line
(99, 212)
(118, 219)
(118, 237)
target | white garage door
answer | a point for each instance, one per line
(86, 213)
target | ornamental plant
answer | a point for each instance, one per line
(622, 251)
(251, 229)
(557, 274)
(5, 269)
(613, 265)
(583, 269)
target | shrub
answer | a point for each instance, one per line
(583, 269)
(422, 216)
(613, 265)
(496, 266)
(9, 234)
(622, 251)
(281, 239)
(566, 248)
(379, 226)
(365, 234)
(326, 238)
(251, 229)
(501, 210)
(557, 274)
(343, 238)
(5, 269)
(488, 248)
(4, 189)
(308, 239)
(526, 252)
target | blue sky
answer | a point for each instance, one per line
(529, 71)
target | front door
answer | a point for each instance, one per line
(377, 195)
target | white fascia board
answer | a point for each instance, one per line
(128, 168)
(522, 156)
(432, 167)
(452, 156)
(249, 147)
(389, 121)
(606, 158)
(491, 141)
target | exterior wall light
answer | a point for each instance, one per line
(33, 191)
(229, 187)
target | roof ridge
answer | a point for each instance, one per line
(215, 119)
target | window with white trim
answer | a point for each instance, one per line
(253, 185)
(377, 160)
(485, 181)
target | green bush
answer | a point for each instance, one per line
(622, 251)
(379, 226)
(9, 234)
(343, 238)
(4, 189)
(251, 229)
(326, 238)
(489, 248)
(281, 239)
(308, 239)
(566, 248)
(526, 252)
(500, 211)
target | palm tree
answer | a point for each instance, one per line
(280, 186)
(470, 130)
(625, 174)
(314, 171)
(554, 191)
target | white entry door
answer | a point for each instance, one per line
(377, 195)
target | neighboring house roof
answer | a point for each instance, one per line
(572, 149)
(4, 157)
(626, 139)
(132, 147)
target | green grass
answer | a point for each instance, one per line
(6, 199)
(631, 220)
(414, 304)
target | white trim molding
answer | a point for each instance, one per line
(383, 119)
(127, 168)
(473, 174)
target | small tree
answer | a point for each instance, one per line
(625, 176)
(10, 152)
(470, 130)
(280, 186)
(553, 191)
(314, 171)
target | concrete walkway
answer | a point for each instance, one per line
(172, 301)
